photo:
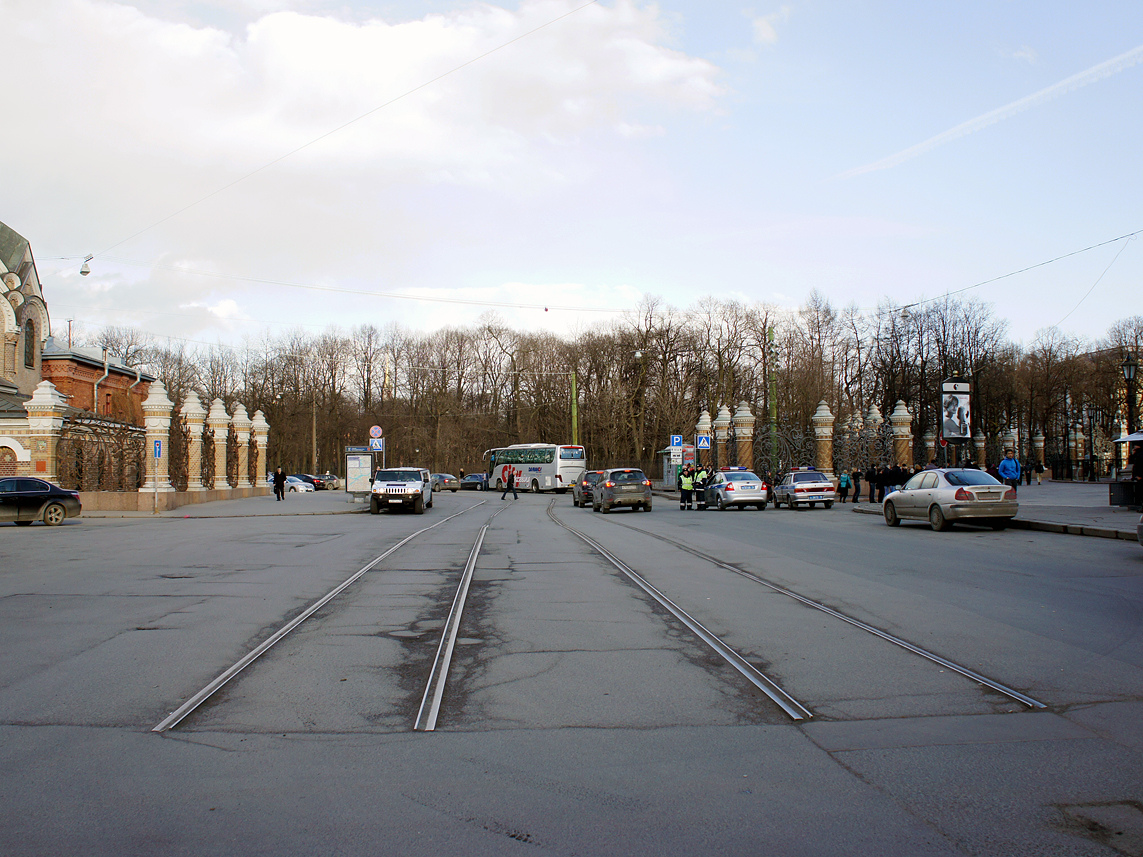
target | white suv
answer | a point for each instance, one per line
(404, 487)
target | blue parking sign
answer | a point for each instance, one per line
(676, 440)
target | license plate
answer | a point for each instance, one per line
(989, 496)
(816, 497)
(393, 500)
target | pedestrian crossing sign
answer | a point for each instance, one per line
(702, 441)
(376, 444)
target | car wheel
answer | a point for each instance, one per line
(575, 502)
(595, 507)
(605, 508)
(761, 507)
(891, 516)
(499, 485)
(646, 507)
(828, 504)
(429, 504)
(54, 514)
(418, 506)
(937, 519)
(535, 486)
(374, 506)
(721, 505)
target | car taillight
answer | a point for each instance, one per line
(1010, 494)
(647, 483)
(608, 484)
(962, 494)
(729, 486)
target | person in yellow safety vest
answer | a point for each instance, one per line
(700, 487)
(686, 487)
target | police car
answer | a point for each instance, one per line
(804, 486)
(737, 487)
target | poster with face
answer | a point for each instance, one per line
(957, 418)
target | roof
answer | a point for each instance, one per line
(12, 403)
(54, 350)
(13, 246)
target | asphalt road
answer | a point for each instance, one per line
(580, 716)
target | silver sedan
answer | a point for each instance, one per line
(738, 487)
(944, 496)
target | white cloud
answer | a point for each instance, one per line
(765, 31)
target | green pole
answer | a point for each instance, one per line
(574, 411)
(773, 408)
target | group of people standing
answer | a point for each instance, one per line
(691, 480)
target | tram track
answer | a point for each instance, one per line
(926, 654)
(222, 679)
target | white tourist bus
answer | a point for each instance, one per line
(537, 466)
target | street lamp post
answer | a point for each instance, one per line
(1129, 366)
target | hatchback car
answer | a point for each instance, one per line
(474, 482)
(622, 486)
(736, 487)
(947, 495)
(445, 482)
(583, 487)
(293, 483)
(25, 499)
(401, 487)
(331, 482)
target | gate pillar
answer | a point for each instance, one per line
(242, 429)
(157, 419)
(1038, 448)
(823, 438)
(902, 422)
(195, 415)
(46, 411)
(721, 432)
(218, 421)
(979, 441)
(744, 434)
(873, 422)
(261, 430)
(930, 441)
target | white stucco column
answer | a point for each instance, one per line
(721, 432)
(261, 430)
(218, 421)
(157, 418)
(823, 438)
(902, 422)
(242, 430)
(744, 435)
(703, 429)
(46, 411)
(195, 415)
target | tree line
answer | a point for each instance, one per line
(444, 397)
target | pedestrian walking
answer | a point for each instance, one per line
(279, 484)
(882, 479)
(871, 481)
(510, 484)
(1009, 470)
(843, 487)
(856, 477)
(1039, 468)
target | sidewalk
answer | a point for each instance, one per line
(1076, 508)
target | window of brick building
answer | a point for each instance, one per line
(30, 345)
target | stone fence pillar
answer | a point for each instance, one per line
(722, 432)
(873, 421)
(930, 441)
(1038, 448)
(195, 415)
(242, 430)
(46, 411)
(703, 429)
(1080, 453)
(744, 434)
(902, 422)
(261, 430)
(218, 421)
(157, 418)
(823, 438)
(979, 441)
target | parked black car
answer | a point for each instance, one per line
(24, 499)
(474, 482)
(317, 481)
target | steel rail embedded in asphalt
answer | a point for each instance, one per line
(434, 689)
(857, 623)
(176, 717)
(760, 680)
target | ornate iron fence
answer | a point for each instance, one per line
(858, 448)
(252, 460)
(207, 472)
(97, 454)
(232, 458)
(178, 452)
(776, 451)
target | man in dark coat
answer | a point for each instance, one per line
(279, 484)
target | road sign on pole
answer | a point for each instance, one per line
(676, 440)
(376, 444)
(702, 441)
(375, 431)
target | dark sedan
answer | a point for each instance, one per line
(24, 499)
(474, 482)
(316, 481)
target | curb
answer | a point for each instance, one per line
(167, 516)
(1044, 526)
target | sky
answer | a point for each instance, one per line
(238, 167)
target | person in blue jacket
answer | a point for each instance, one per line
(1009, 469)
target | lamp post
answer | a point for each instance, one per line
(1129, 366)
